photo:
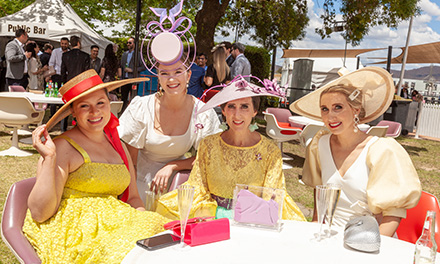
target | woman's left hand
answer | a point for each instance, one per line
(160, 181)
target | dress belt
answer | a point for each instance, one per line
(223, 202)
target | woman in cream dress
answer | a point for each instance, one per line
(376, 174)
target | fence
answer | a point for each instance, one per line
(428, 123)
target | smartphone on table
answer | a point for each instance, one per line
(160, 241)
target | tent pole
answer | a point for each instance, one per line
(405, 55)
(390, 53)
(136, 46)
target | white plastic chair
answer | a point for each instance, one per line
(17, 112)
(308, 133)
(379, 131)
(116, 107)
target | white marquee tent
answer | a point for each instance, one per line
(50, 20)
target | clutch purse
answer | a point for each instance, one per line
(258, 206)
(202, 230)
(362, 233)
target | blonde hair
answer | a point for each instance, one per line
(220, 66)
(355, 102)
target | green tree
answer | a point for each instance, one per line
(361, 15)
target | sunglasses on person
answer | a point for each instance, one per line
(129, 42)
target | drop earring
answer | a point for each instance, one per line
(356, 122)
(223, 126)
(160, 92)
(253, 126)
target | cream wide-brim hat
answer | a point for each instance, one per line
(376, 85)
(82, 85)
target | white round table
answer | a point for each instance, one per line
(294, 244)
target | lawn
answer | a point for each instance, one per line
(424, 154)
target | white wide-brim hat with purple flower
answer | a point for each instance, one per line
(240, 88)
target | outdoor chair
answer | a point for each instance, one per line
(394, 128)
(209, 95)
(17, 112)
(308, 133)
(179, 178)
(14, 213)
(116, 107)
(281, 132)
(410, 228)
(379, 131)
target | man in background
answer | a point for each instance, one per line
(45, 56)
(228, 49)
(241, 65)
(56, 60)
(202, 60)
(16, 62)
(74, 61)
(95, 61)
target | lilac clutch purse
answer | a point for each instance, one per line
(258, 206)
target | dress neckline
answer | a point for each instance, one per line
(232, 146)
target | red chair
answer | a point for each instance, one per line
(411, 227)
(14, 213)
(209, 95)
(394, 128)
(179, 178)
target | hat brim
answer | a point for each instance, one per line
(231, 93)
(65, 110)
(377, 87)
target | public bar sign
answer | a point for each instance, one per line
(34, 30)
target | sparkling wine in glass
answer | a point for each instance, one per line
(332, 195)
(185, 195)
(321, 206)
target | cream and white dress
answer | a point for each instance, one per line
(137, 129)
(382, 180)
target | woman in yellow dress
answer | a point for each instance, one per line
(239, 155)
(74, 213)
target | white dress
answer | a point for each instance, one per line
(155, 150)
(353, 200)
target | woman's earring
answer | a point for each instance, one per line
(253, 126)
(223, 126)
(356, 122)
(160, 92)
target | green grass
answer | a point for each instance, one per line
(424, 154)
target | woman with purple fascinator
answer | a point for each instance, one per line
(159, 129)
(238, 155)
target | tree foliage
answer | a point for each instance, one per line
(361, 15)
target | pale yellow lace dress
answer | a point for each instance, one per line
(92, 225)
(219, 167)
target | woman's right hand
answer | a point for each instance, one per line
(46, 148)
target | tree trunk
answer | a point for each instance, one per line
(207, 19)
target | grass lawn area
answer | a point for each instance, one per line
(424, 154)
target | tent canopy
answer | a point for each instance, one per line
(424, 53)
(51, 20)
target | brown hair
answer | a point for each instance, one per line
(347, 90)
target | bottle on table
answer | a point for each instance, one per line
(426, 247)
(47, 92)
(55, 92)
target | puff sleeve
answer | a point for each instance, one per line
(393, 184)
(311, 174)
(133, 126)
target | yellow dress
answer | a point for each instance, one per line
(91, 224)
(220, 166)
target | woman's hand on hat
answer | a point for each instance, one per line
(42, 142)
(160, 181)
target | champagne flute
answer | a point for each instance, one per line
(185, 195)
(332, 196)
(321, 206)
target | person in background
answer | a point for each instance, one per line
(35, 69)
(55, 62)
(196, 82)
(95, 61)
(376, 175)
(16, 61)
(202, 60)
(228, 49)
(45, 56)
(239, 155)
(75, 215)
(218, 72)
(241, 65)
(110, 68)
(74, 61)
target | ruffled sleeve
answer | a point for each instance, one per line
(393, 184)
(203, 204)
(311, 174)
(210, 122)
(133, 122)
(275, 179)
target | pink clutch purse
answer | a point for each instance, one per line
(201, 231)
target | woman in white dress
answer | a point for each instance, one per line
(35, 69)
(376, 174)
(160, 128)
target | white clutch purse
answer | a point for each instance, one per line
(362, 233)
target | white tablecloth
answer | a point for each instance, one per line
(294, 244)
(304, 121)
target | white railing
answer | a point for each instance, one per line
(428, 123)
